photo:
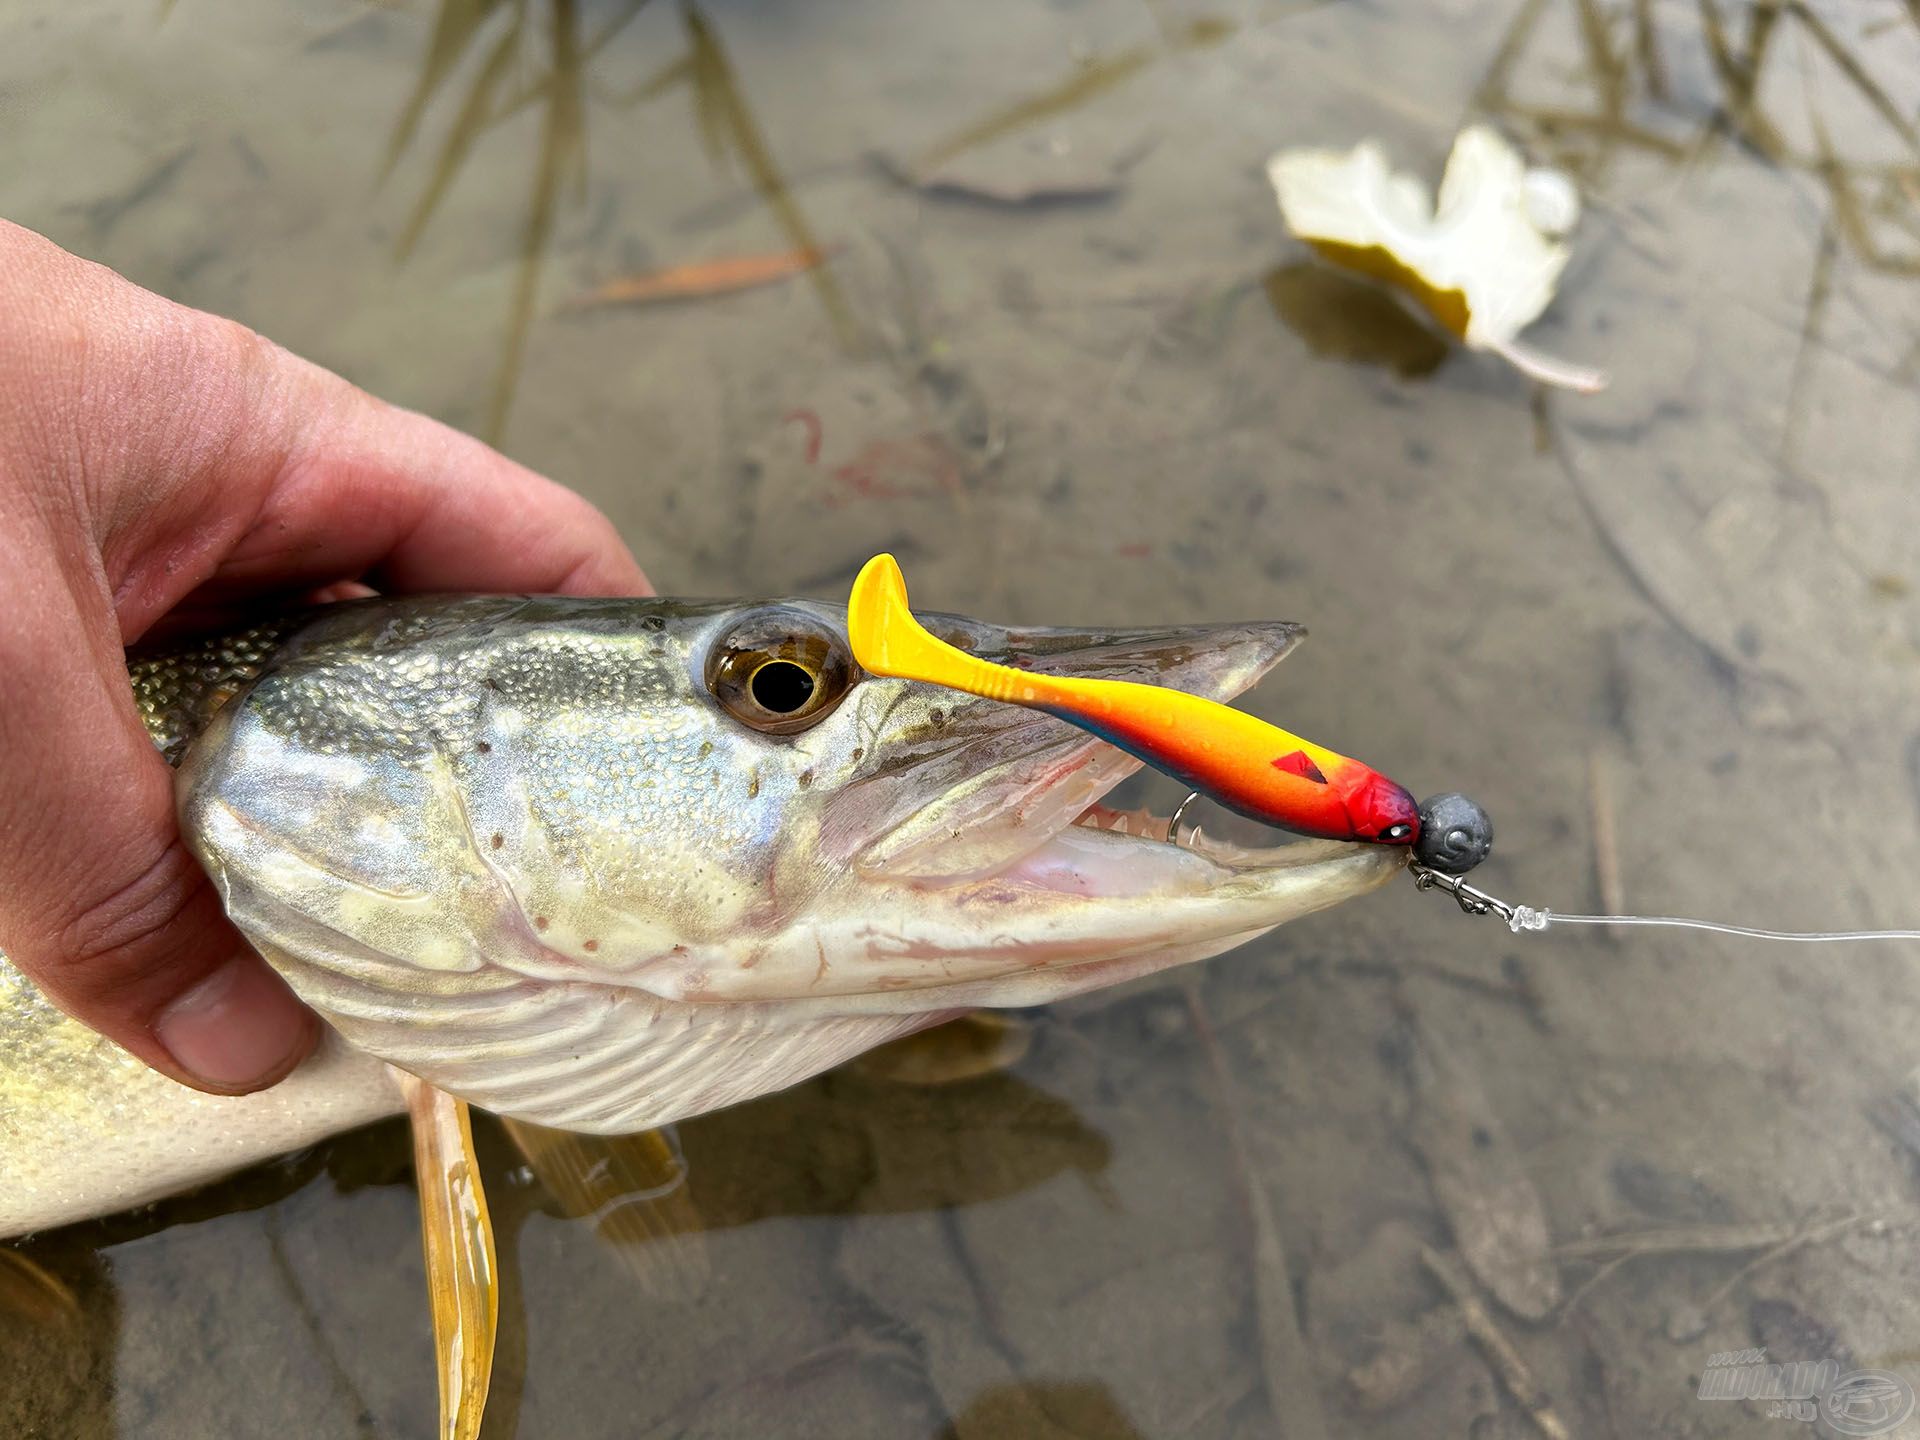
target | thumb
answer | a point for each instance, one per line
(101, 903)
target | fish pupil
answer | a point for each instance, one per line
(781, 686)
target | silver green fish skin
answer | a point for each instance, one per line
(515, 846)
(88, 1130)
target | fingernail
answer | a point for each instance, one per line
(238, 1029)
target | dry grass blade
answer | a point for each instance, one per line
(108, 211)
(1847, 215)
(1092, 79)
(1491, 1205)
(1646, 574)
(1719, 49)
(474, 115)
(455, 26)
(1625, 132)
(562, 147)
(1609, 72)
(1096, 77)
(1762, 21)
(1775, 1241)
(674, 72)
(1493, 89)
(725, 119)
(1646, 48)
(1819, 292)
(1606, 840)
(711, 78)
(1691, 1240)
(1506, 1361)
(619, 21)
(1856, 72)
(1739, 77)
(1292, 1393)
(540, 89)
(1778, 1252)
(1706, 1239)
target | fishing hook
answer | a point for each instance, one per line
(1173, 825)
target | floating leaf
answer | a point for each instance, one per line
(1483, 263)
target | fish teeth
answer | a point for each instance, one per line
(1143, 823)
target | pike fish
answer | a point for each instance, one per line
(600, 865)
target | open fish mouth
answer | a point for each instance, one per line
(1009, 882)
(1001, 780)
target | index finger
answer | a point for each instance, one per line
(356, 488)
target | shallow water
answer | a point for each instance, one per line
(1685, 609)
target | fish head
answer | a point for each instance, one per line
(606, 863)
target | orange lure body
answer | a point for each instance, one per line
(1241, 761)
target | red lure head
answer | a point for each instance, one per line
(1381, 811)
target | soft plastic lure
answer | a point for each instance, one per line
(1241, 761)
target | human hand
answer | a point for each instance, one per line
(161, 467)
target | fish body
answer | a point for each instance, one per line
(603, 864)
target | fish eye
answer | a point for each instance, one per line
(781, 686)
(779, 671)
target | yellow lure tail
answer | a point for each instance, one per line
(887, 640)
(1240, 760)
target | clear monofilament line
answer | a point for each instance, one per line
(1525, 917)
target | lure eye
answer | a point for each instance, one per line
(1396, 834)
(779, 671)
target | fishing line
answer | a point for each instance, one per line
(1519, 918)
(1525, 917)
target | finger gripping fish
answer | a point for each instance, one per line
(1248, 765)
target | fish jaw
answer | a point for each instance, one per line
(1088, 908)
(517, 848)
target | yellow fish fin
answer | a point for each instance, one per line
(30, 1291)
(456, 1232)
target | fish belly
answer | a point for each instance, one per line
(87, 1130)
